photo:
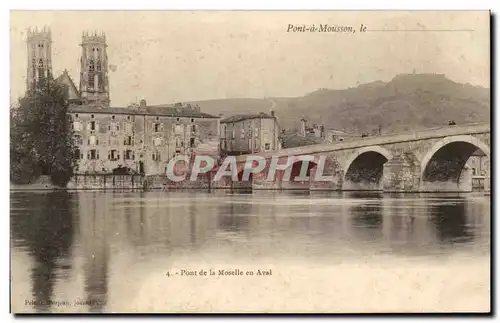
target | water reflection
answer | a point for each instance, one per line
(450, 221)
(45, 229)
(94, 232)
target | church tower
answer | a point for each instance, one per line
(39, 55)
(94, 85)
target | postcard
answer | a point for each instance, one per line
(250, 162)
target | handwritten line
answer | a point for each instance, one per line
(420, 30)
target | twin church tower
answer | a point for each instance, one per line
(94, 83)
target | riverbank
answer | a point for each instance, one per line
(87, 182)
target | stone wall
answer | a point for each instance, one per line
(402, 174)
(42, 183)
(105, 181)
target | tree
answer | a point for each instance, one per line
(41, 136)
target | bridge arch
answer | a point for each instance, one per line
(445, 161)
(364, 169)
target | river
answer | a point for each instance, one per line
(286, 252)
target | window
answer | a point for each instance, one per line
(92, 116)
(156, 156)
(78, 154)
(93, 154)
(77, 126)
(128, 127)
(233, 135)
(249, 133)
(92, 125)
(178, 142)
(179, 129)
(41, 72)
(113, 117)
(113, 155)
(128, 141)
(192, 120)
(191, 142)
(242, 135)
(114, 126)
(157, 141)
(128, 117)
(78, 140)
(91, 73)
(178, 119)
(157, 118)
(157, 127)
(267, 146)
(94, 140)
(474, 171)
(256, 132)
(129, 154)
(76, 115)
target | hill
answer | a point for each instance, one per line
(408, 101)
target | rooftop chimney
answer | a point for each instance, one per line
(303, 127)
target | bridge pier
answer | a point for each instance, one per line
(331, 169)
(362, 186)
(401, 174)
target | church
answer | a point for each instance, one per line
(140, 138)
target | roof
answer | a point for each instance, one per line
(242, 117)
(168, 111)
(296, 140)
(338, 132)
(331, 130)
(65, 79)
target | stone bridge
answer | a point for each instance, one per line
(423, 161)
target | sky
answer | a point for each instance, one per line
(175, 56)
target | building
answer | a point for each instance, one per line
(143, 139)
(138, 138)
(39, 55)
(249, 133)
(332, 135)
(328, 135)
(94, 82)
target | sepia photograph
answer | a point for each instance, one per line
(250, 161)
